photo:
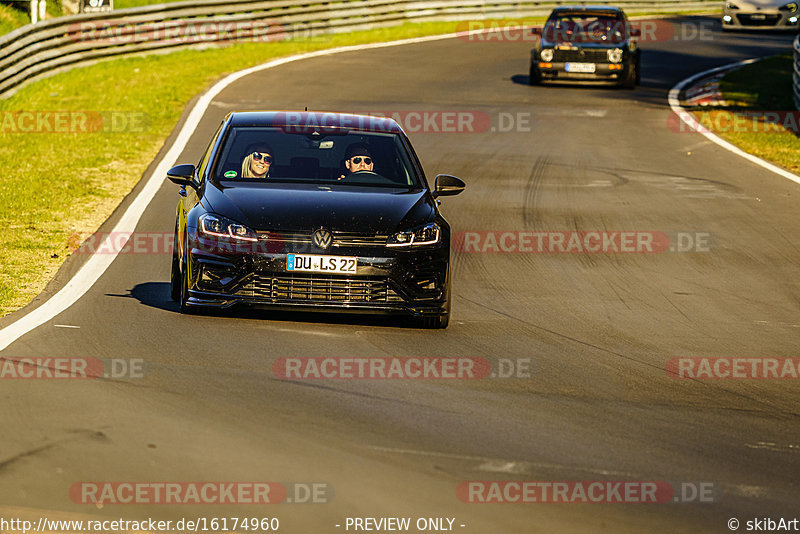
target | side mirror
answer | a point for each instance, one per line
(182, 175)
(636, 32)
(447, 185)
(536, 31)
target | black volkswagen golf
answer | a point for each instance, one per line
(586, 43)
(320, 211)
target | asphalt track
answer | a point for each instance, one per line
(599, 328)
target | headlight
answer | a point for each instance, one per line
(547, 55)
(614, 55)
(731, 5)
(211, 224)
(791, 7)
(427, 235)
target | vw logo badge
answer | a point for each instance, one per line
(322, 238)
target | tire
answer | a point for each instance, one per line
(632, 76)
(184, 285)
(184, 298)
(436, 322)
(534, 76)
(439, 321)
(175, 274)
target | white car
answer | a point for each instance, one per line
(760, 15)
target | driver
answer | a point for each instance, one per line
(257, 161)
(357, 158)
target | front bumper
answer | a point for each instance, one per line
(760, 20)
(387, 281)
(609, 72)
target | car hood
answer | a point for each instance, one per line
(304, 207)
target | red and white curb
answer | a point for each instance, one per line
(706, 91)
(690, 120)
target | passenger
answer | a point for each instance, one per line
(357, 158)
(257, 161)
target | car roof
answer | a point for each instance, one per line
(311, 120)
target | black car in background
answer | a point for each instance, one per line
(319, 211)
(586, 43)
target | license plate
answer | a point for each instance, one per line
(321, 264)
(758, 17)
(581, 67)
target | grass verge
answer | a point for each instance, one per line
(760, 117)
(11, 18)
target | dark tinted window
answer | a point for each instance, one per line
(586, 27)
(300, 157)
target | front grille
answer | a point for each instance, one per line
(319, 289)
(340, 239)
(586, 76)
(589, 56)
(768, 20)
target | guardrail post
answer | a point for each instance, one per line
(34, 11)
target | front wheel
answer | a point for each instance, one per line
(436, 322)
(175, 275)
(184, 296)
(534, 76)
(632, 77)
(184, 286)
(442, 320)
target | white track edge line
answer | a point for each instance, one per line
(97, 264)
(689, 119)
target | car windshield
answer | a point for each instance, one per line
(585, 28)
(375, 159)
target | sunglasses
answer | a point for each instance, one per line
(257, 156)
(358, 159)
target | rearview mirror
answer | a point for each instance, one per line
(636, 32)
(536, 31)
(182, 175)
(447, 185)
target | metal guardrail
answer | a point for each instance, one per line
(35, 51)
(796, 73)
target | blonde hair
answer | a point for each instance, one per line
(246, 172)
(248, 160)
